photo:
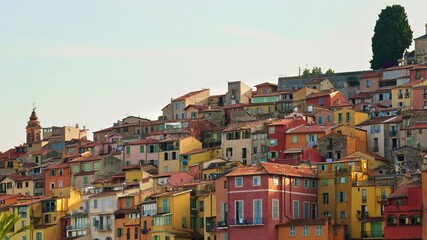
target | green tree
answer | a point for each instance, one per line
(329, 72)
(306, 72)
(7, 222)
(392, 36)
(316, 71)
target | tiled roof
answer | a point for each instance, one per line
(369, 74)
(183, 97)
(310, 129)
(8, 196)
(273, 168)
(17, 177)
(408, 84)
(364, 95)
(303, 222)
(374, 121)
(142, 141)
(399, 67)
(60, 165)
(30, 201)
(11, 154)
(196, 151)
(87, 159)
(418, 125)
(402, 190)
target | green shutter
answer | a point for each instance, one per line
(315, 137)
(127, 150)
(294, 139)
(156, 148)
(141, 148)
(307, 138)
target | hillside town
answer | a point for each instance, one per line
(336, 156)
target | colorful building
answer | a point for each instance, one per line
(320, 228)
(305, 136)
(171, 150)
(263, 195)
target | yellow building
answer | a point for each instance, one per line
(172, 220)
(255, 109)
(17, 184)
(299, 97)
(198, 156)
(348, 116)
(171, 150)
(401, 96)
(374, 160)
(368, 200)
(335, 188)
(209, 215)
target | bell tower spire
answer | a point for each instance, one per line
(33, 129)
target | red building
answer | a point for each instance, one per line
(277, 133)
(56, 176)
(327, 99)
(263, 195)
(419, 96)
(404, 211)
(419, 72)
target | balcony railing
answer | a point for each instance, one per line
(210, 227)
(103, 227)
(221, 224)
(375, 149)
(162, 210)
(372, 234)
(381, 199)
(246, 221)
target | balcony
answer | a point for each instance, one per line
(163, 210)
(246, 222)
(393, 133)
(375, 149)
(381, 199)
(103, 227)
(210, 227)
(372, 234)
(221, 224)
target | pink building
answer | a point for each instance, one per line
(173, 178)
(331, 99)
(263, 195)
(144, 151)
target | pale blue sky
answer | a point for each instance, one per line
(94, 62)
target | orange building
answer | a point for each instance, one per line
(303, 136)
(127, 218)
(322, 229)
(56, 176)
(8, 199)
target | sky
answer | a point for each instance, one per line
(95, 62)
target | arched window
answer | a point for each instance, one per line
(403, 220)
(391, 220)
(415, 220)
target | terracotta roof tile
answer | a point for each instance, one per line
(274, 169)
(402, 190)
(189, 94)
(17, 177)
(310, 129)
(418, 125)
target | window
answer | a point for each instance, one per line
(314, 210)
(368, 83)
(119, 232)
(292, 231)
(76, 168)
(255, 150)
(306, 183)
(296, 182)
(86, 167)
(184, 222)
(238, 206)
(52, 185)
(95, 203)
(342, 214)
(320, 120)
(19, 185)
(238, 182)
(256, 180)
(325, 197)
(329, 118)
(347, 117)
(364, 196)
(324, 182)
(294, 139)
(321, 101)
(60, 172)
(96, 166)
(275, 180)
(85, 179)
(229, 152)
(342, 180)
(296, 209)
(322, 167)
(271, 130)
(319, 230)
(39, 236)
(341, 197)
(275, 208)
(128, 150)
(306, 210)
(257, 211)
(339, 117)
(305, 230)
(60, 184)
(52, 172)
